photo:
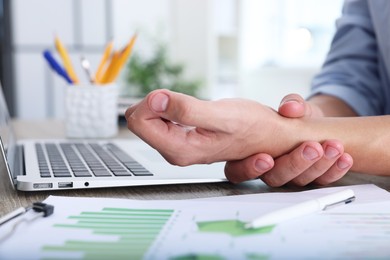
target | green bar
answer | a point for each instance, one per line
(145, 237)
(101, 253)
(91, 256)
(113, 231)
(139, 232)
(119, 243)
(126, 218)
(115, 222)
(96, 249)
(197, 257)
(56, 258)
(139, 210)
(126, 232)
(147, 228)
(132, 256)
(126, 214)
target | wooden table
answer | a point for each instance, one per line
(11, 199)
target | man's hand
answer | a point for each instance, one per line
(311, 162)
(186, 130)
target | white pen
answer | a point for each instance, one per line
(304, 208)
(13, 214)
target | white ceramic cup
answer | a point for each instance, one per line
(91, 111)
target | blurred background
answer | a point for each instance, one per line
(256, 49)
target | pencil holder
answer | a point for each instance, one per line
(91, 111)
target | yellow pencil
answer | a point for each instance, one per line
(65, 58)
(114, 60)
(106, 55)
(124, 55)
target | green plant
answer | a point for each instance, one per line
(145, 75)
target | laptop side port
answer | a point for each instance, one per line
(40, 186)
(68, 184)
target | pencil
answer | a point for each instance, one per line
(65, 58)
(106, 55)
(113, 61)
(124, 55)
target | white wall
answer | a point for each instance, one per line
(192, 43)
(275, 58)
(81, 27)
(85, 26)
(270, 85)
(227, 44)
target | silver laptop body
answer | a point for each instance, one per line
(34, 165)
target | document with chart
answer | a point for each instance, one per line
(97, 228)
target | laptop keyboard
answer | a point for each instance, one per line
(86, 160)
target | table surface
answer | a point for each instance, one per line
(49, 129)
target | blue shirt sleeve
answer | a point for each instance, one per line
(351, 69)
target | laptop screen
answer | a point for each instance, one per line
(7, 137)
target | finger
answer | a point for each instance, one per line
(333, 149)
(337, 171)
(130, 109)
(158, 133)
(139, 115)
(189, 111)
(289, 166)
(292, 105)
(249, 168)
(179, 108)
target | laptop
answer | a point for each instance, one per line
(34, 165)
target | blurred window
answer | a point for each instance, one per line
(287, 33)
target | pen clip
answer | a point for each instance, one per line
(345, 201)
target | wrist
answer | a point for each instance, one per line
(276, 135)
(281, 135)
(330, 106)
(292, 132)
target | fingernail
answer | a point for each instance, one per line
(262, 166)
(289, 101)
(331, 152)
(310, 153)
(342, 165)
(159, 102)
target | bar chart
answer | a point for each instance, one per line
(136, 230)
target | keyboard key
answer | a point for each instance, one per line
(102, 173)
(121, 173)
(86, 160)
(141, 172)
(62, 174)
(116, 168)
(82, 173)
(131, 164)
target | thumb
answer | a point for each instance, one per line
(294, 106)
(158, 102)
(183, 109)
